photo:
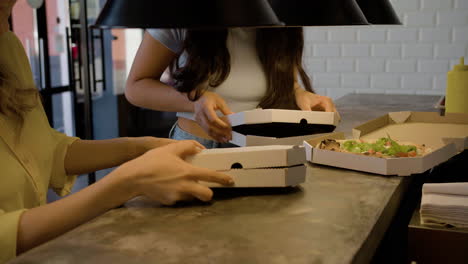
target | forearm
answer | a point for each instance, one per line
(43, 223)
(153, 94)
(85, 156)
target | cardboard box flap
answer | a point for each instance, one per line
(399, 117)
(427, 128)
(250, 140)
(435, 117)
(460, 143)
(243, 140)
(224, 159)
(438, 156)
(370, 126)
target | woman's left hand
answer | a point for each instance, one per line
(308, 101)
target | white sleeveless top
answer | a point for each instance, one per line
(246, 83)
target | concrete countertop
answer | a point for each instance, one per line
(337, 216)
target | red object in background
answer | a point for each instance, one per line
(75, 52)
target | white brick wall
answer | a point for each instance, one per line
(409, 59)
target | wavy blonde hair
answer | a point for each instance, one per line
(15, 99)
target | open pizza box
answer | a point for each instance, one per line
(262, 127)
(259, 166)
(445, 136)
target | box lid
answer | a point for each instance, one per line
(224, 159)
(280, 123)
(429, 128)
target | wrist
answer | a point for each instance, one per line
(139, 145)
(125, 181)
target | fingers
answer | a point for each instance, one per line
(213, 118)
(199, 191)
(223, 107)
(219, 133)
(198, 144)
(328, 105)
(323, 103)
(304, 106)
(207, 175)
(185, 148)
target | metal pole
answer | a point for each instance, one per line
(85, 59)
(44, 61)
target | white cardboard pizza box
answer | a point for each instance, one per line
(446, 136)
(268, 177)
(419, 127)
(262, 127)
(252, 140)
(260, 166)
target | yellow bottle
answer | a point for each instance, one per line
(456, 97)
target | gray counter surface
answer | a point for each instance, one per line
(337, 216)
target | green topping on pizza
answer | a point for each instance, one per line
(385, 146)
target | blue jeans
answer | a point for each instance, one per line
(179, 134)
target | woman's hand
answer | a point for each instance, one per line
(162, 174)
(308, 101)
(205, 115)
(144, 144)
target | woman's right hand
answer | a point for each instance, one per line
(205, 114)
(162, 174)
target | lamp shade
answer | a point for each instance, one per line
(318, 13)
(186, 14)
(379, 12)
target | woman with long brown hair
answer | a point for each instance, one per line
(34, 157)
(225, 70)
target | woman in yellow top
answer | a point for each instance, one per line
(34, 157)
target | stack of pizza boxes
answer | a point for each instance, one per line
(270, 152)
(441, 136)
(258, 166)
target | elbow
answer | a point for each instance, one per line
(130, 92)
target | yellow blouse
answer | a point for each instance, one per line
(31, 160)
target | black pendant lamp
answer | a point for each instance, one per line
(319, 13)
(379, 12)
(186, 14)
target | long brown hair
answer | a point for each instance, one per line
(208, 64)
(15, 100)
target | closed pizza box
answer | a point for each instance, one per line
(444, 135)
(262, 127)
(259, 166)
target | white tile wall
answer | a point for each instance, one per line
(409, 59)
(370, 65)
(436, 4)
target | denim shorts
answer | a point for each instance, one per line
(179, 134)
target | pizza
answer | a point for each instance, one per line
(383, 147)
